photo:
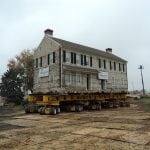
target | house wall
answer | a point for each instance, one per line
(46, 83)
(117, 80)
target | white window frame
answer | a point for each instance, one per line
(87, 60)
(78, 59)
(68, 57)
(67, 79)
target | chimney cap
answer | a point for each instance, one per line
(48, 32)
(109, 50)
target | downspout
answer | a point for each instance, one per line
(60, 66)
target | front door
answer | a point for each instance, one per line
(88, 81)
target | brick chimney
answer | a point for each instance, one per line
(109, 50)
(48, 32)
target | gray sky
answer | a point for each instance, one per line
(123, 25)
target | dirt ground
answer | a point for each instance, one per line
(108, 129)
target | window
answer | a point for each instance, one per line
(68, 57)
(114, 65)
(86, 60)
(99, 63)
(78, 78)
(36, 61)
(110, 65)
(73, 78)
(51, 58)
(40, 61)
(78, 59)
(104, 64)
(67, 78)
(91, 61)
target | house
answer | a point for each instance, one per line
(70, 67)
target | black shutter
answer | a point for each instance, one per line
(36, 62)
(85, 60)
(91, 61)
(74, 58)
(81, 59)
(71, 57)
(53, 57)
(99, 63)
(40, 61)
(114, 65)
(64, 56)
(48, 59)
(104, 64)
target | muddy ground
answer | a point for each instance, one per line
(108, 129)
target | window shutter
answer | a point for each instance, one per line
(91, 61)
(53, 57)
(64, 56)
(40, 61)
(85, 60)
(48, 59)
(99, 63)
(104, 64)
(74, 58)
(71, 57)
(81, 59)
(36, 62)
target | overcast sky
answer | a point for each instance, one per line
(123, 25)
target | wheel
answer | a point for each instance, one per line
(98, 107)
(58, 109)
(42, 111)
(53, 112)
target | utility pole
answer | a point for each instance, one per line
(141, 68)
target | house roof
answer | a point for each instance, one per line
(85, 49)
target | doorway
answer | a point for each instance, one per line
(88, 82)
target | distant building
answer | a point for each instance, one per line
(60, 64)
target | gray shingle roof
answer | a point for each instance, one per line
(85, 49)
